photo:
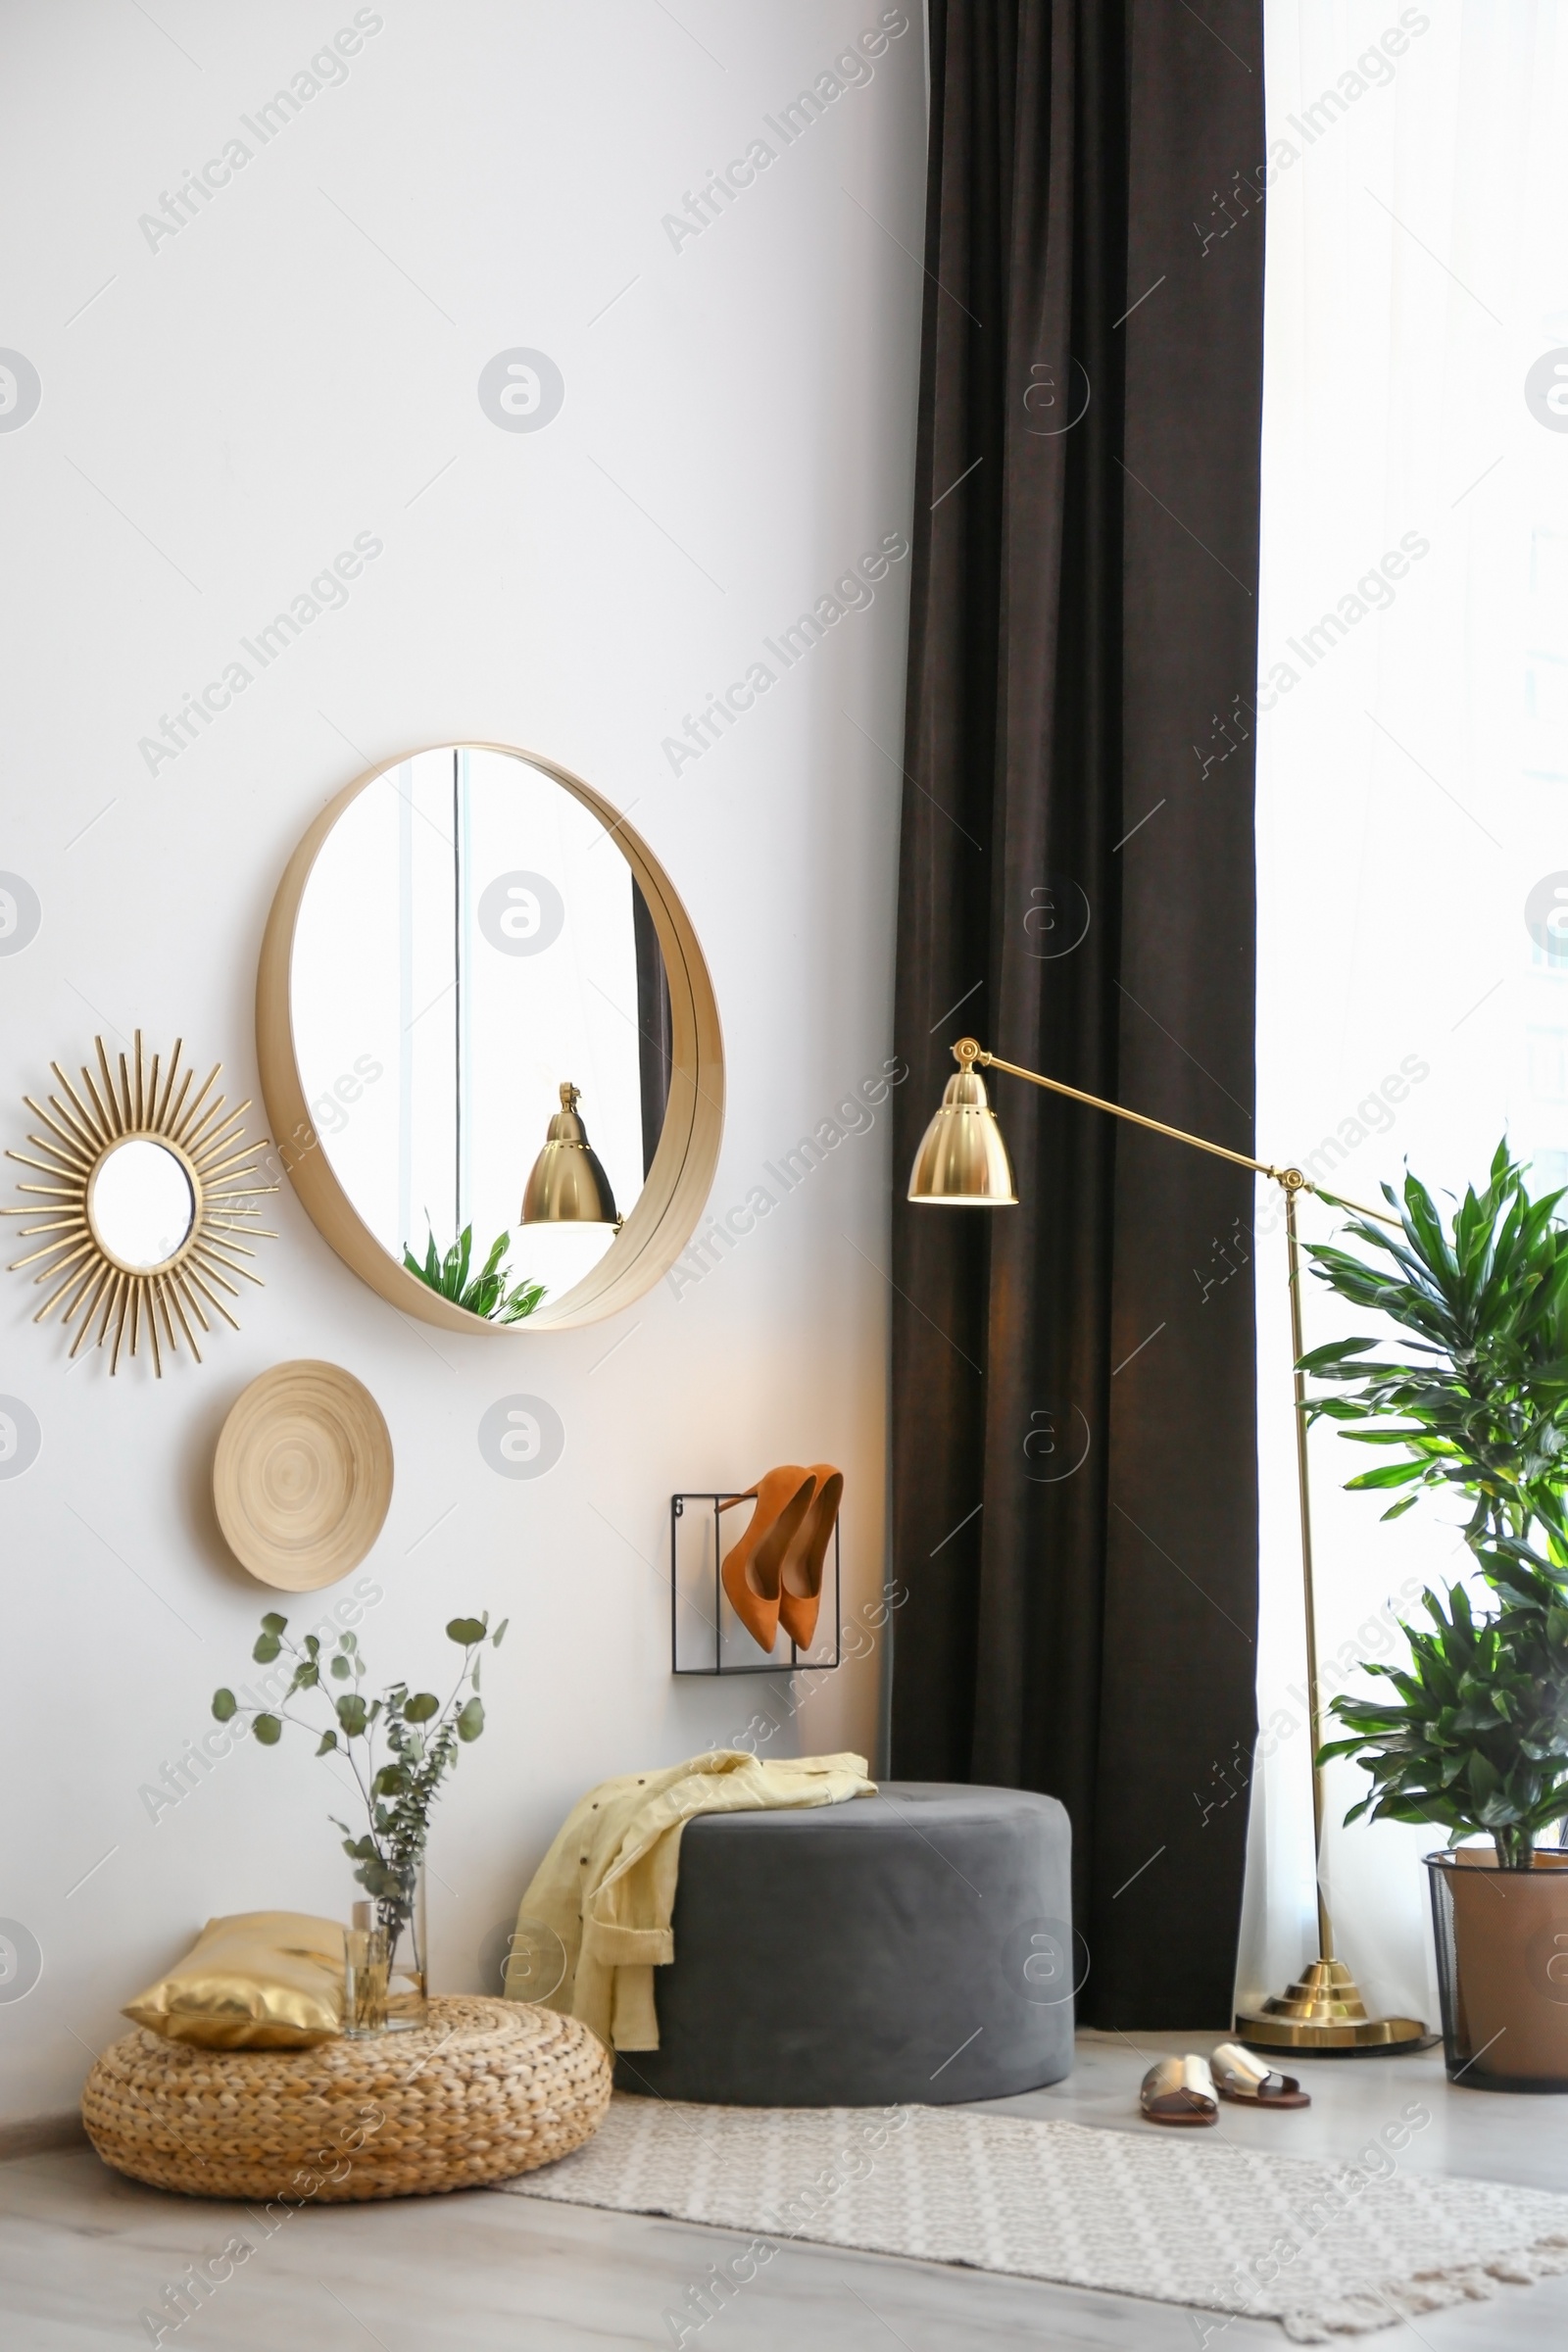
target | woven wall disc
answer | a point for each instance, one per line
(303, 1474)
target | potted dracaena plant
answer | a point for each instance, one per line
(421, 1736)
(1472, 1404)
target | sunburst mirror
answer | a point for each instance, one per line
(151, 1199)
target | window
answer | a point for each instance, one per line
(1412, 776)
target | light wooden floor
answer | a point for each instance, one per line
(83, 2253)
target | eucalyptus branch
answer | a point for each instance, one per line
(423, 1737)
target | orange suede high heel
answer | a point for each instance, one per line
(801, 1574)
(750, 1571)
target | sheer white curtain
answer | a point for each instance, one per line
(1412, 739)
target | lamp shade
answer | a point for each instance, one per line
(566, 1185)
(963, 1162)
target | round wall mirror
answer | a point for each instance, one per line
(488, 1042)
(140, 1204)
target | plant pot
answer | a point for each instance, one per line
(1502, 1969)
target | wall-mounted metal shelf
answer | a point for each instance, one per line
(701, 1623)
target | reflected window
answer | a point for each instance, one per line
(471, 939)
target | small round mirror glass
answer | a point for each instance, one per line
(481, 1025)
(140, 1204)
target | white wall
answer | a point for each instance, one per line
(298, 364)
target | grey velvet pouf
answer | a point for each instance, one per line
(914, 1946)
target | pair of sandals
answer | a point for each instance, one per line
(1188, 2091)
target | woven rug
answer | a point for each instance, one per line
(1184, 2217)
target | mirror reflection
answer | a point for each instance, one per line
(481, 1024)
(140, 1204)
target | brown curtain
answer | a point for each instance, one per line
(654, 1047)
(1075, 1508)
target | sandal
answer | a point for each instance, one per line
(1179, 2090)
(1245, 2080)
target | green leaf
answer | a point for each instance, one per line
(266, 1648)
(521, 1303)
(342, 1669)
(352, 1714)
(224, 1705)
(1387, 1474)
(470, 1720)
(465, 1631)
(422, 1706)
(500, 1630)
(1337, 1353)
(268, 1728)
(328, 1743)
(273, 1623)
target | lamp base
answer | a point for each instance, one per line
(1323, 2015)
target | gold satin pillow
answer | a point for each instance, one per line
(257, 1980)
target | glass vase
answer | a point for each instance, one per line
(401, 1918)
(364, 1976)
(385, 1971)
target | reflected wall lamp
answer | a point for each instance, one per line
(567, 1185)
(963, 1163)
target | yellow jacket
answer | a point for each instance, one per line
(607, 1887)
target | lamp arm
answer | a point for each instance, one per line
(968, 1052)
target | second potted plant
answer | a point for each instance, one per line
(1474, 1735)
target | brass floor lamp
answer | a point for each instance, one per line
(962, 1162)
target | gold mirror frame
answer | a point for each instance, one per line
(676, 1189)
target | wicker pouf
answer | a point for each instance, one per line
(487, 2090)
